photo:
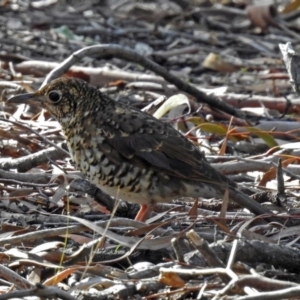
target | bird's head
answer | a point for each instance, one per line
(64, 98)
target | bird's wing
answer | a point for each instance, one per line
(145, 141)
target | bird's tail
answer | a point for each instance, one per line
(247, 202)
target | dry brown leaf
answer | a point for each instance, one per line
(171, 279)
(60, 276)
(215, 62)
(271, 174)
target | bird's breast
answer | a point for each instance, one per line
(106, 168)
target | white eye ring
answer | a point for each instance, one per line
(55, 96)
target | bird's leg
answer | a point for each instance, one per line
(144, 213)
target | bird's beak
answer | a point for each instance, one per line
(23, 98)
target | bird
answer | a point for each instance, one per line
(128, 153)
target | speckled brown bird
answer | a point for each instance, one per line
(128, 153)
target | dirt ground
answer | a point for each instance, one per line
(212, 69)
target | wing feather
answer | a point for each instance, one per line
(145, 142)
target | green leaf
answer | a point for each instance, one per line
(268, 138)
(214, 128)
(68, 33)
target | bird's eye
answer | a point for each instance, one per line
(54, 96)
